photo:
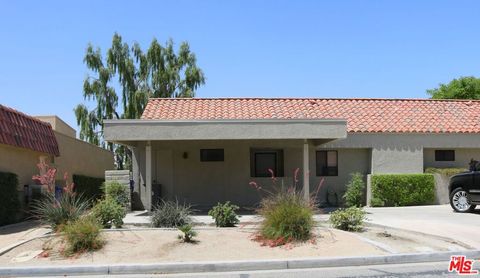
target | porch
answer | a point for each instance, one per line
(205, 162)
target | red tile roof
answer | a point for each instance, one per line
(20, 130)
(362, 115)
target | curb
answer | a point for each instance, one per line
(224, 266)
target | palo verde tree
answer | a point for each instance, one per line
(120, 84)
(461, 88)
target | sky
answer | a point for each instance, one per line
(257, 48)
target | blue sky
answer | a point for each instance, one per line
(382, 49)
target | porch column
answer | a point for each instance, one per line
(148, 176)
(306, 170)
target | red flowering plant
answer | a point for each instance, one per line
(52, 210)
(287, 214)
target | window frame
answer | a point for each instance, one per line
(320, 171)
(203, 154)
(442, 155)
(278, 170)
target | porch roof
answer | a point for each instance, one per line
(149, 130)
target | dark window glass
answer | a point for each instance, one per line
(211, 155)
(327, 163)
(263, 160)
(444, 155)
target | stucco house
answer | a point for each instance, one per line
(26, 140)
(202, 151)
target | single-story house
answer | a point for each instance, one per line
(27, 140)
(203, 151)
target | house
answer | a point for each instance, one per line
(26, 140)
(202, 151)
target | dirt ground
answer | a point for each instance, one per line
(153, 246)
(14, 233)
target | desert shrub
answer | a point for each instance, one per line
(171, 214)
(349, 219)
(119, 192)
(354, 195)
(187, 233)
(9, 202)
(445, 171)
(287, 216)
(109, 213)
(89, 187)
(224, 215)
(58, 212)
(402, 189)
(83, 234)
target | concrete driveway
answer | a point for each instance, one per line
(436, 220)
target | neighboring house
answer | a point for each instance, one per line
(26, 140)
(203, 151)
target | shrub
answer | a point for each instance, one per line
(445, 171)
(224, 215)
(287, 216)
(9, 202)
(355, 188)
(349, 219)
(187, 233)
(169, 214)
(58, 212)
(108, 212)
(83, 234)
(119, 192)
(89, 187)
(402, 189)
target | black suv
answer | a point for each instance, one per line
(464, 189)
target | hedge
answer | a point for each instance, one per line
(9, 202)
(89, 187)
(402, 190)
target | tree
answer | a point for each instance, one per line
(461, 88)
(159, 72)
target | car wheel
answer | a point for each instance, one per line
(460, 201)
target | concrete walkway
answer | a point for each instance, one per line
(435, 220)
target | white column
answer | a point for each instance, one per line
(148, 176)
(306, 170)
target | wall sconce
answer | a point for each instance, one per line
(185, 155)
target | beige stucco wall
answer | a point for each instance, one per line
(79, 157)
(205, 183)
(20, 161)
(58, 125)
(462, 158)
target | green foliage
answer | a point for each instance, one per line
(287, 216)
(9, 202)
(159, 72)
(82, 235)
(355, 190)
(402, 189)
(445, 171)
(224, 215)
(187, 233)
(119, 192)
(461, 88)
(171, 214)
(89, 187)
(349, 219)
(109, 212)
(57, 213)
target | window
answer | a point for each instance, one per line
(211, 155)
(327, 163)
(444, 155)
(262, 160)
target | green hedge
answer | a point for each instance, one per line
(89, 187)
(9, 202)
(402, 190)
